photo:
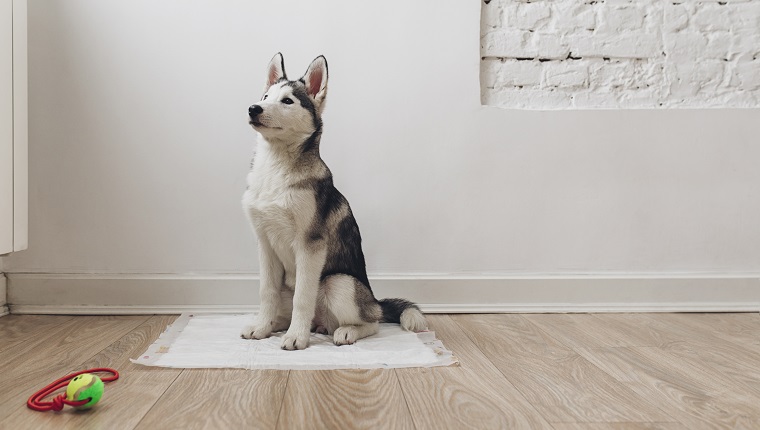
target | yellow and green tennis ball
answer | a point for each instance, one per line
(85, 386)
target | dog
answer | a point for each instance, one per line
(313, 273)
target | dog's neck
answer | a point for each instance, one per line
(301, 152)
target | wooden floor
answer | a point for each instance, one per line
(562, 372)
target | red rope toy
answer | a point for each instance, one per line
(35, 402)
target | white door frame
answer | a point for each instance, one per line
(13, 126)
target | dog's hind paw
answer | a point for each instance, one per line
(345, 335)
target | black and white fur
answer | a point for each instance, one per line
(313, 274)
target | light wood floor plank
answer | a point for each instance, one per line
(51, 355)
(38, 336)
(21, 328)
(696, 395)
(472, 395)
(219, 399)
(597, 330)
(344, 399)
(738, 362)
(619, 426)
(126, 400)
(560, 383)
(740, 328)
(576, 330)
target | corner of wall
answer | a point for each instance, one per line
(3, 292)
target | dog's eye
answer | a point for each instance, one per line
(287, 101)
(265, 96)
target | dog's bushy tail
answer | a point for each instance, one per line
(403, 312)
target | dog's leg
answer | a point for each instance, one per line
(285, 312)
(348, 334)
(309, 264)
(351, 307)
(272, 273)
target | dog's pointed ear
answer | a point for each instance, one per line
(275, 70)
(315, 80)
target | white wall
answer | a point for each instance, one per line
(139, 147)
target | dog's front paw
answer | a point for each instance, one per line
(291, 341)
(256, 331)
(345, 335)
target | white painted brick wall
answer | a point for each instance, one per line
(565, 54)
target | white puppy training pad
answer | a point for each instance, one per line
(213, 341)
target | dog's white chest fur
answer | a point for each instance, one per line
(273, 208)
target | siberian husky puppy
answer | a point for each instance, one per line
(313, 274)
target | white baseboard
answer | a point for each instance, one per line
(3, 295)
(171, 294)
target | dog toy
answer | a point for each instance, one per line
(83, 391)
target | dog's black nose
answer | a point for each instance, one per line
(254, 110)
